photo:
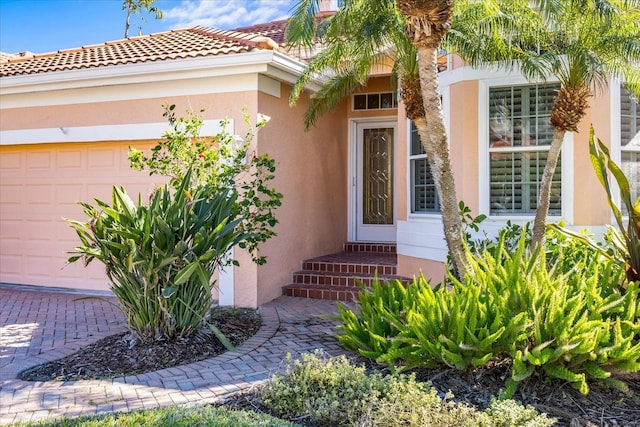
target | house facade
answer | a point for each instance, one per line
(67, 119)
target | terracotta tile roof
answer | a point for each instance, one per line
(4, 56)
(276, 30)
(184, 43)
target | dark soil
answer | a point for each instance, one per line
(604, 406)
(118, 356)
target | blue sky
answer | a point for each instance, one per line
(42, 26)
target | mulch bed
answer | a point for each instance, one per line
(117, 355)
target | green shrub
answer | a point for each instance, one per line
(160, 257)
(574, 325)
(221, 162)
(327, 391)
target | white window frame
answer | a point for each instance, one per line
(394, 101)
(616, 142)
(484, 157)
(446, 105)
(410, 178)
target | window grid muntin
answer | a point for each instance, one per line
(518, 118)
(374, 101)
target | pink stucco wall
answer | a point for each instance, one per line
(312, 176)
(42, 183)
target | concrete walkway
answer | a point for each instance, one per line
(37, 327)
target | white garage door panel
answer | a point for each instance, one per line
(42, 185)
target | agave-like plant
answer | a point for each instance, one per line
(627, 237)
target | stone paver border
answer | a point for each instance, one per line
(290, 325)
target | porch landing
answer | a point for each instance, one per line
(337, 276)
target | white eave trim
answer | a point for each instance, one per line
(271, 63)
(124, 132)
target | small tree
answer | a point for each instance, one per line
(221, 162)
(136, 7)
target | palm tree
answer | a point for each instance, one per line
(359, 36)
(426, 24)
(580, 43)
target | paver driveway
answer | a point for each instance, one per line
(38, 326)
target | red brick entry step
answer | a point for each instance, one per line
(333, 277)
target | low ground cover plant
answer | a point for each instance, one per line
(569, 310)
(324, 391)
(175, 416)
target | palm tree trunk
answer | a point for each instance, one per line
(545, 188)
(436, 145)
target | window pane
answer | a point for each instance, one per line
(373, 101)
(629, 118)
(425, 194)
(630, 141)
(631, 169)
(519, 117)
(416, 145)
(360, 102)
(386, 100)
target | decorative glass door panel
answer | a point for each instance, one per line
(375, 200)
(377, 172)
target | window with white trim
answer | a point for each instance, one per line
(630, 141)
(424, 195)
(520, 134)
(374, 101)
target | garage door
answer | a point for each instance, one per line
(40, 185)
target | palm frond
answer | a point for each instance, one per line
(301, 27)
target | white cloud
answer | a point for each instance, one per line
(226, 14)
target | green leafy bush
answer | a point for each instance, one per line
(327, 391)
(221, 162)
(574, 325)
(160, 257)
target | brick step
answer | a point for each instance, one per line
(310, 277)
(325, 292)
(335, 276)
(386, 248)
(328, 292)
(354, 262)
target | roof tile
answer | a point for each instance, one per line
(184, 43)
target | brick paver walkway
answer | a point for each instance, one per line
(37, 327)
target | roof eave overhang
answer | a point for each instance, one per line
(267, 62)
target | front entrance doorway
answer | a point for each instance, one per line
(375, 196)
